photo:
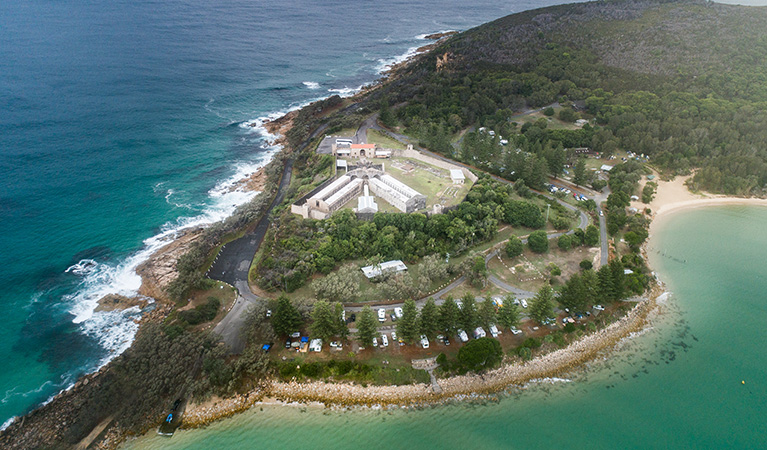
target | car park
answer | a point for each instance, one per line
(384, 340)
(424, 341)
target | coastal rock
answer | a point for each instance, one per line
(112, 302)
(160, 270)
(438, 36)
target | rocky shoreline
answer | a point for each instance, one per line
(329, 394)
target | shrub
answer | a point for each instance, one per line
(586, 264)
(480, 354)
(538, 241)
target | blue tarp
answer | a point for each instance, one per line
(304, 339)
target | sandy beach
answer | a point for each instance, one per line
(673, 196)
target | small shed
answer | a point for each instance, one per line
(457, 176)
(388, 266)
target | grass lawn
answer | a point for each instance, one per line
(433, 182)
(530, 270)
(376, 137)
(553, 122)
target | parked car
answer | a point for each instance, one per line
(375, 342)
(523, 302)
(424, 341)
(515, 331)
(315, 345)
(354, 317)
(384, 340)
(446, 340)
(295, 335)
(398, 312)
(463, 336)
(393, 317)
(336, 344)
(599, 307)
(394, 336)
(343, 315)
(494, 331)
(382, 315)
(479, 332)
(268, 313)
(460, 304)
(287, 343)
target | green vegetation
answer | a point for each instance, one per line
(542, 305)
(201, 313)
(286, 319)
(367, 326)
(480, 354)
(538, 241)
(514, 247)
(350, 370)
(298, 248)
(651, 74)
(408, 327)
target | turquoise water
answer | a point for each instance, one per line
(676, 385)
(121, 121)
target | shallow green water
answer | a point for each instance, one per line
(677, 385)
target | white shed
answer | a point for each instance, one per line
(457, 176)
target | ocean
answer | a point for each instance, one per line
(124, 121)
(694, 379)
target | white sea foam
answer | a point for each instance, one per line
(423, 36)
(83, 267)
(7, 423)
(311, 84)
(387, 63)
(115, 330)
(347, 91)
(169, 193)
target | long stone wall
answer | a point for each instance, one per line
(415, 154)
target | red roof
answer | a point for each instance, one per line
(363, 146)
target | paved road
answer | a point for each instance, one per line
(599, 198)
(233, 263)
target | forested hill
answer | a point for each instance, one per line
(684, 82)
